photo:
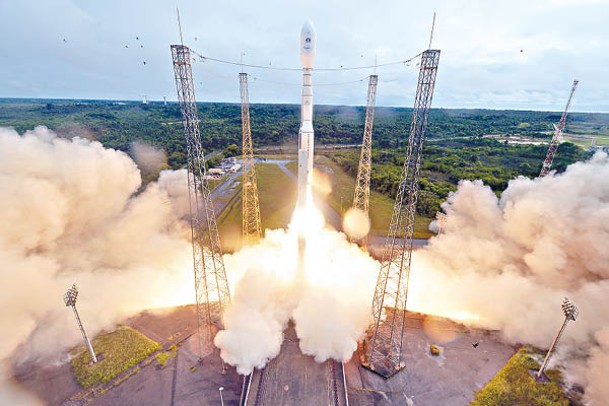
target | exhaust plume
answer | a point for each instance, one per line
(501, 263)
(70, 215)
(506, 263)
(329, 300)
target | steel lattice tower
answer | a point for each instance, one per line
(211, 285)
(384, 343)
(251, 228)
(547, 163)
(361, 195)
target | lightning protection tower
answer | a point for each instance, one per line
(211, 286)
(250, 212)
(383, 345)
(361, 195)
(70, 300)
(547, 163)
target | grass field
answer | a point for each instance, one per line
(277, 197)
(584, 141)
(381, 206)
(513, 385)
(118, 350)
(277, 194)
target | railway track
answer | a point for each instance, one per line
(337, 389)
(258, 401)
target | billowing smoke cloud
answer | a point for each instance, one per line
(69, 214)
(501, 263)
(328, 300)
(149, 159)
(507, 263)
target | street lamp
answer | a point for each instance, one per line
(571, 312)
(220, 389)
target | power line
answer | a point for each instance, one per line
(316, 85)
(295, 83)
(207, 58)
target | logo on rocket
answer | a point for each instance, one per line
(306, 134)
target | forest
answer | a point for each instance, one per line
(455, 145)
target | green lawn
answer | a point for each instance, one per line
(277, 198)
(513, 385)
(118, 351)
(585, 142)
(381, 206)
(277, 195)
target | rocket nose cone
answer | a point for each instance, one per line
(307, 45)
(308, 27)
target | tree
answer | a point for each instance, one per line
(232, 150)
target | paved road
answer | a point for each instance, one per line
(281, 163)
(224, 193)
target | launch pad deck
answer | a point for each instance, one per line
(448, 379)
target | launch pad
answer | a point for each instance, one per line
(448, 379)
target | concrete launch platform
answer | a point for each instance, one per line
(469, 358)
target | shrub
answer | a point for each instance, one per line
(121, 350)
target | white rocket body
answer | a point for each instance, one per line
(306, 135)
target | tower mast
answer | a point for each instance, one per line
(383, 345)
(211, 285)
(547, 163)
(361, 194)
(251, 228)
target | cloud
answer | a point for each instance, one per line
(475, 37)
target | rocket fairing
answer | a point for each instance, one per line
(306, 135)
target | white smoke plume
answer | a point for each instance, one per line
(329, 301)
(502, 263)
(507, 263)
(147, 157)
(69, 214)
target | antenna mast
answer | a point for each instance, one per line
(433, 25)
(547, 163)
(180, 26)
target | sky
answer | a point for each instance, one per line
(516, 54)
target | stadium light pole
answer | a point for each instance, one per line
(571, 312)
(220, 389)
(70, 300)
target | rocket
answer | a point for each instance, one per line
(306, 136)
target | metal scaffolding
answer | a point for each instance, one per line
(211, 286)
(547, 163)
(251, 228)
(383, 344)
(361, 195)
